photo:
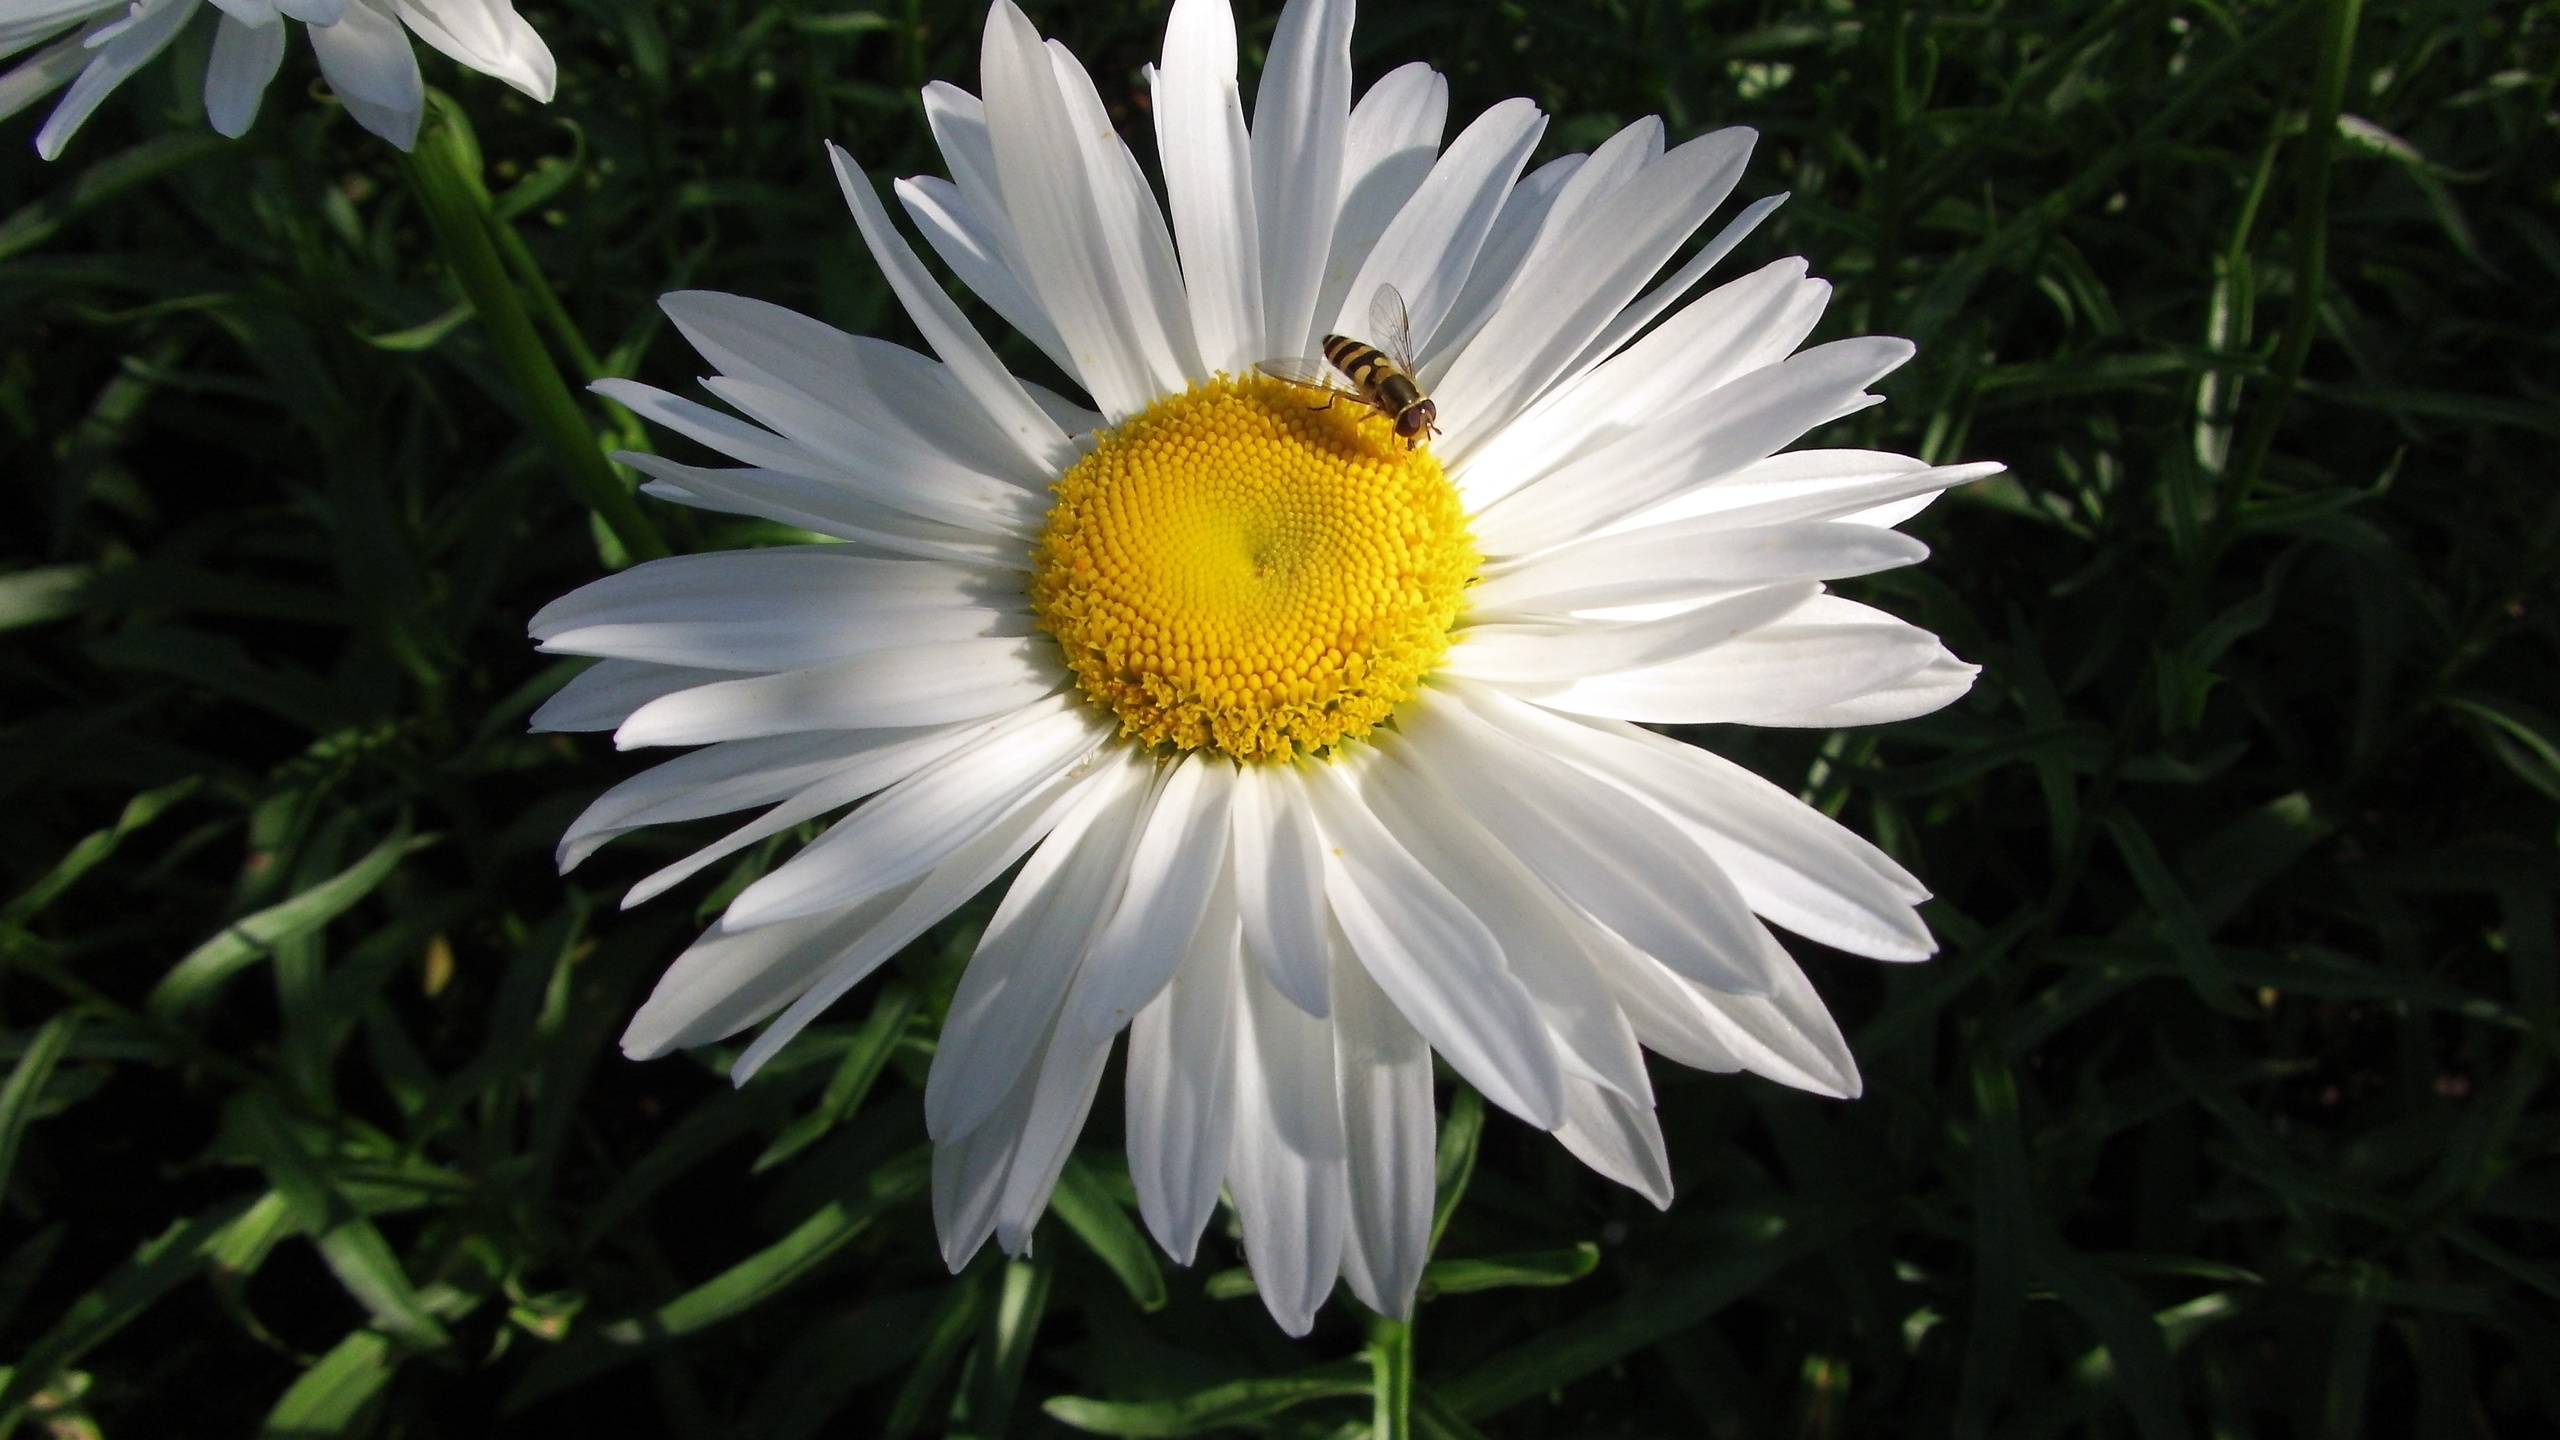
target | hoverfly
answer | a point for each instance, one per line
(1381, 374)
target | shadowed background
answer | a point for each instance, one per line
(2226, 1110)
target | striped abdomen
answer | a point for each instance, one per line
(1382, 383)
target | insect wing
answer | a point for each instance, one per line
(1390, 328)
(1314, 374)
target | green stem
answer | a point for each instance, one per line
(546, 301)
(2310, 248)
(1391, 1366)
(555, 317)
(457, 208)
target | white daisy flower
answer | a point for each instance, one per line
(1320, 752)
(363, 54)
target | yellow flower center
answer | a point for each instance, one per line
(1243, 568)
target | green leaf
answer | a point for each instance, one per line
(733, 1291)
(159, 1266)
(952, 1329)
(221, 664)
(26, 1085)
(1232, 1284)
(864, 1057)
(1762, 1243)
(2525, 739)
(1454, 1159)
(26, 1265)
(1496, 1272)
(335, 1397)
(196, 979)
(548, 178)
(104, 181)
(2145, 1379)
(1237, 1404)
(1087, 1207)
(825, 1363)
(983, 1408)
(48, 592)
(2003, 1211)
(2227, 867)
(422, 336)
(141, 810)
(2180, 923)
(354, 1250)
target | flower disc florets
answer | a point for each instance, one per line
(1240, 568)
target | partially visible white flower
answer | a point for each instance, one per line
(368, 62)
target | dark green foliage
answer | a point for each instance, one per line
(2226, 1110)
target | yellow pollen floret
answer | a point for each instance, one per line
(1243, 569)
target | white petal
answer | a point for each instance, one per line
(1734, 329)
(1433, 957)
(1430, 247)
(974, 368)
(1617, 1137)
(730, 979)
(1208, 182)
(605, 694)
(971, 868)
(245, 58)
(969, 245)
(727, 434)
(1785, 1035)
(1094, 248)
(1280, 885)
(885, 387)
(823, 582)
(825, 507)
(1009, 996)
(1621, 863)
(1564, 650)
(1069, 1071)
(310, 12)
(1686, 559)
(923, 819)
(1546, 944)
(1286, 1168)
(368, 63)
(883, 466)
(784, 644)
(1571, 289)
(1934, 686)
(969, 1173)
(1796, 866)
(717, 780)
(776, 609)
(1300, 117)
(1801, 485)
(899, 754)
(1180, 858)
(1515, 230)
(1182, 1084)
(1724, 430)
(1382, 1070)
(146, 31)
(487, 36)
(1809, 661)
(911, 685)
(1618, 161)
(1632, 320)
(1393, 137)
(29, 22)
(43, 72)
